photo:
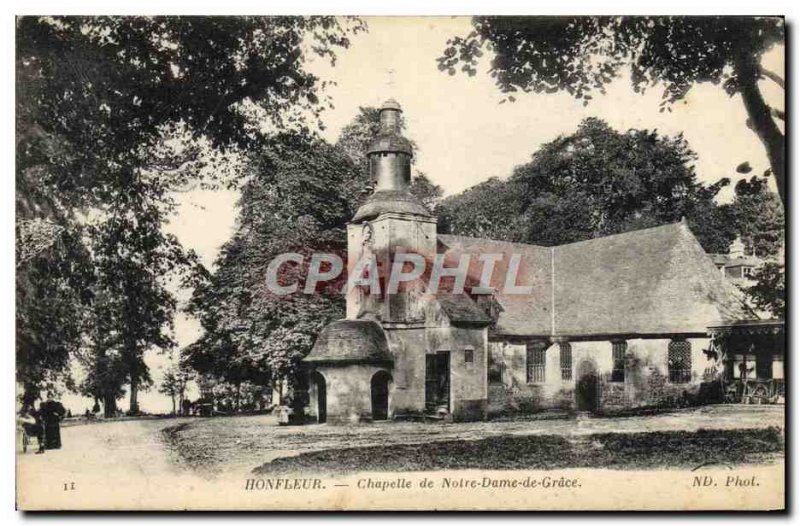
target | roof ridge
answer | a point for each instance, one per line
(490, 240)
(665, 226)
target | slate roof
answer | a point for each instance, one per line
(520, 313)
(725, 260)
(384, 201)
(652, 281)
(390, 143)
(460, 308)
(350, 341)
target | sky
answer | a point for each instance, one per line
(465, 136)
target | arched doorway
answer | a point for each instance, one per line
(322, 397)
(587, 388)
(379, 389)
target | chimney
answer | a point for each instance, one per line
(390, 153)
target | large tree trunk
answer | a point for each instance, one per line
(109, 406)
(761, 121)
(134, 405)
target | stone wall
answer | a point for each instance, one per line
(468, 380)
(646, 376)
(348, 393)
(391, 234)
(408, 347)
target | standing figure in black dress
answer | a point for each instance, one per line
(51, 413)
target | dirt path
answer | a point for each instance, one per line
(132, 445)
(126, 457)
(135, 465)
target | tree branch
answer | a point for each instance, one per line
(760, 117)
(774, 77)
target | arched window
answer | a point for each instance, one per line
(679, 361)
(565, 358)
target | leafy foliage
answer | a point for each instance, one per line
(113, 115)
(592, 183)
(582, 55)
(769, 291)
(116, 85)
(53, 293)
(174, 385)
(759, 217)
(760, 222)
(299, 195)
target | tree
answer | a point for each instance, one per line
(114, 86)
(174, 385)
(134, 260)
(759, 217)
(299, 195)
(428, 193)
(769, 291)
(592, 183)
(760, 222)
(476, 211)
(581, 55)
(114, 113)
(106, 370)
(53, 295)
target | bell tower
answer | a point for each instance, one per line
(390, 221)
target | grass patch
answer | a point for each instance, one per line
(648, 450)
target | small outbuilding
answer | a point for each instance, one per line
(351, 372)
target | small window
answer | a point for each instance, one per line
(750, 361)
(679, 361)
(777, 367)
(741, 368)
(469, 355)
(744, 366)
(535, 362)
(748, 271)
(618, 350)
(565, 358)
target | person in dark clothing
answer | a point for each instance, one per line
(51, 413)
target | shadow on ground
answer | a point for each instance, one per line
(672, 449)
